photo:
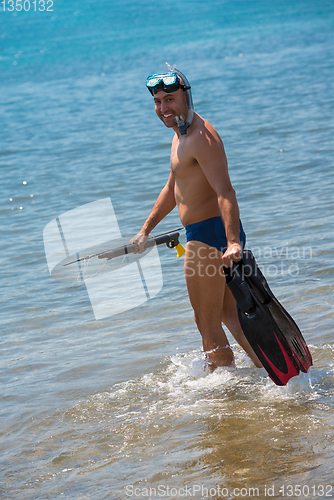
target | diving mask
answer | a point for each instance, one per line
(169, 82)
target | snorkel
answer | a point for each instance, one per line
(171, 82)
(183, 126)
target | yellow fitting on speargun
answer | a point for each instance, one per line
(180, 250)
(174, 243)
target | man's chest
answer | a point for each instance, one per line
(182, 161)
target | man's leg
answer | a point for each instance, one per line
(206, 288)
(213, 303)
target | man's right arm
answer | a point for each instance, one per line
(164, 204)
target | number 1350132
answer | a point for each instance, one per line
(26, 5)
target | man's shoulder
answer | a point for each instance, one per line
(204, 131)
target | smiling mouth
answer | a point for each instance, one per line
(167, 116)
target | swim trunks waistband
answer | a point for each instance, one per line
(212, 232)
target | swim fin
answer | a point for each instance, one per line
(268, 327)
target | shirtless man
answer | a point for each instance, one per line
(200, 186)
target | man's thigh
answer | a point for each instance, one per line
(205, 280)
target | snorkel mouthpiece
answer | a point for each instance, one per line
(183, 126)
(180, 123)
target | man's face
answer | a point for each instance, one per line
(167, 106)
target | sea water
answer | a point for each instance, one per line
(124, 407)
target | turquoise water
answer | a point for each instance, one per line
(92, 409)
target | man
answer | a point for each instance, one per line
(200, 186)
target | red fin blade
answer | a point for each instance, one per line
(300, 352)
(291, 369)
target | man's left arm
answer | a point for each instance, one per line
(210, 154)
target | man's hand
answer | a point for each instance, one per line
(232, 254)
(140, 239)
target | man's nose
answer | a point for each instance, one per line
(164, 106)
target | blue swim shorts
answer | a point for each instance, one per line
(212, 232)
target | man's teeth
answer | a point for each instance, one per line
(167, 116)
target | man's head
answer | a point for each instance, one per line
(172, 98)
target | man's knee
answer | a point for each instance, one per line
(206, 323)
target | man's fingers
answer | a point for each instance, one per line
(227, 261)
(231, 255)
(140, 240)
